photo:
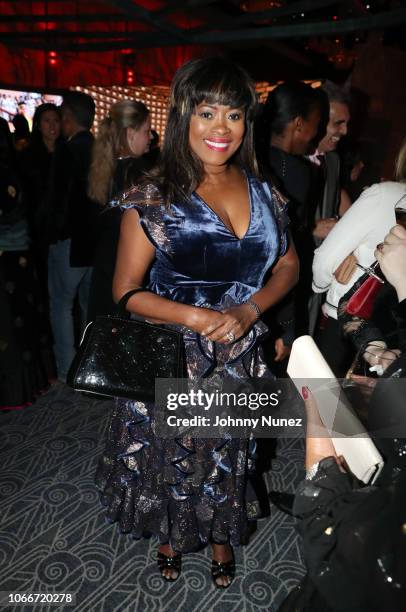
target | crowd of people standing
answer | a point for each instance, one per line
(243, 195)
(53, 232)
(65, 178)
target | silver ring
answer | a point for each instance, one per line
(230, 336)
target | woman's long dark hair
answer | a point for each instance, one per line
(36, 136)
(216, 81)
(284, 103)
(290, 100)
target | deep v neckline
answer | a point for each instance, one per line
(229, 230)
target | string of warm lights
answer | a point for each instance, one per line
(155, 98)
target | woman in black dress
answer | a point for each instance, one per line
(24, 347)
(291, 123)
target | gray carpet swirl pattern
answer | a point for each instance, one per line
(54, 538)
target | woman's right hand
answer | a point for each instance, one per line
(201, 319)
(223, 327)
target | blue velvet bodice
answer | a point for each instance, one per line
(199, 261)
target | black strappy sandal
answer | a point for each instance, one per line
(219, 569)
(172, 563)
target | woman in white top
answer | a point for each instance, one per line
(358, 232)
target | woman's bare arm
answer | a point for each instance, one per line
(284, 277)
(134, 257)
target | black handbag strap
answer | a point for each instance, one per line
(121, 306)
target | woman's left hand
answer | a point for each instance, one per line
(237, 320)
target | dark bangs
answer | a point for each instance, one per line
(222, 82)
(215, 81)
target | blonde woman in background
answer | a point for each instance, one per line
(124, 137)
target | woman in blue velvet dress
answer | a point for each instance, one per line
(209, 231)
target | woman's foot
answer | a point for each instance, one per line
(222, 565)
(169, 563)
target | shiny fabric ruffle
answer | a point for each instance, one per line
(184, 491)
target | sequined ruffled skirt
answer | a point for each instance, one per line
(186, 491)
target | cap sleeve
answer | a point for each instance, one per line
(148, 201)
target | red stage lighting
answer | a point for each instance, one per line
(52, 58)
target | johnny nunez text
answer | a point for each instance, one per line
(229, 421)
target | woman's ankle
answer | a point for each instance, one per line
(222, 552)
(166, 549)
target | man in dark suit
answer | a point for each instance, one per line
(327, 161)
(69, 221)
(326, 166)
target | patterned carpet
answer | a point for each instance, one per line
(54, 539)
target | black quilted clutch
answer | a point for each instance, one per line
(120, 357)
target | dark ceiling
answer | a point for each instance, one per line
(300, 33)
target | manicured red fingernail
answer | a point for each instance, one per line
(305, 393)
